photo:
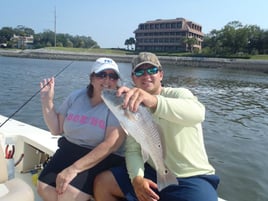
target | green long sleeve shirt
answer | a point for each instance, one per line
(179, 114)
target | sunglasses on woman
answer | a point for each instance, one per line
(150, 71)
(103, 74)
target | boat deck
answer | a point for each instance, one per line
(33, 142)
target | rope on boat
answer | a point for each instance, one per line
(25, 103)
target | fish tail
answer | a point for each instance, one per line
(165, 180)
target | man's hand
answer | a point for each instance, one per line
(135, 96)
(143, 189)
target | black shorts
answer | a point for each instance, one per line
(65, 156)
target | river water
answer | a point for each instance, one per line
(235, 129)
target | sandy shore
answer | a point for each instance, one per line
(240, 64)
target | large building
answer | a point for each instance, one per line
(174, 35)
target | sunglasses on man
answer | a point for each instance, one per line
(141, 71)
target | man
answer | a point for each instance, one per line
(179, 114)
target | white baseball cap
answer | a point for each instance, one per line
(104, 63)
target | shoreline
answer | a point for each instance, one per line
(238, 64)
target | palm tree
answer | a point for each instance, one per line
(190, 42)
(127, 43)
(132, 42)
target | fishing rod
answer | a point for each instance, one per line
(25, 103)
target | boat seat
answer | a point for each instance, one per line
(14, 189)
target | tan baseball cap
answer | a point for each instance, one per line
(145, 58)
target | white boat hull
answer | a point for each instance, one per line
(31, 141)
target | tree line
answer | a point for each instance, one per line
(232, 39)
(236, 39)
(45, 39)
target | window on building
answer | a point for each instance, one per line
(179, 25)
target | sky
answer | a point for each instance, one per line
(111, 22)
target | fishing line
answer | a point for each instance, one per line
(25, 103)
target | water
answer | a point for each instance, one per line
(235, 129)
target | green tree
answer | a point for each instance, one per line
(190, 42)
(255, 41)
(234, 39)
(212, 43)
(47, 38)
(6, 33)
(127, 43)
(132, 42)
(21, 30)
(264, 39)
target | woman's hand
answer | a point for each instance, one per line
(47, 90)
(54, 121)
(64, 178)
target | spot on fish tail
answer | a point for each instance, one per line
(129, 115)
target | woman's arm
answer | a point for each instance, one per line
(115, 136)
(54, 121)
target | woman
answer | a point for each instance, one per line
(92, 139)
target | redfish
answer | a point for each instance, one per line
(141, 126)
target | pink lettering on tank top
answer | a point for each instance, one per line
(102, 124)
(82, 119)
(76, 118)
(69, 117)
(93, 121)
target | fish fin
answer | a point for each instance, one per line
(145, 155)
(166, 179)
(124, 128)
(161, 134)
(129, 115)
